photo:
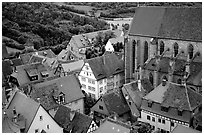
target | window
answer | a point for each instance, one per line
(190, 51)
(149, 104)
(93, 88)
(104, 80)
(179, 81)
(179, 113)
(105, 87)
(172, 124)
(151, 79)
(89, 80)
(100, 107)
(83, 79)
(164, 109)
(93, 81)
(48, 126)
(87, 74)
(159, 120)
(36, 130)
(145, 51)
(161, 47)
(148, 117)
(130, 102)
(175, 49)
(89, 87)
(101, 89)
(133, 55)
(163, 121)
(83, 86)
(153, 119)
(41, 118)
(117, 83)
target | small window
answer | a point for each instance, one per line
(100, 107)
(41, 118)
(149, 104)
(161, 47)
(130, 103)
(36, 130)
(190, 51)
(179, 113)
(163, 121)
(153, 119)
(148, 117)
(164, 109)
(48, 126)
(159, 120)
(175, 49)
(172, 124)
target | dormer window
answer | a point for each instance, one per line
(44, 74)
(61, 98)
(179, 113)
(32, 74)
(150, 103)
(164, 109)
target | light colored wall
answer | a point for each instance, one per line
(109, 47)
(77, 105)
(42, 124)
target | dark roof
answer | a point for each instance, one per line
(115, 102)
(6, 68)
(113, 126)
(195, 67)
(22, 76)
(79, 124)
(24, 106)
(17, 62)
(106, 65)
(4, 51)
(168, 22)
(68, 85)
(183, 129)
(174, 95)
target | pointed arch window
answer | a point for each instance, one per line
(133, 55)
(151, 79)
(161, 47)
(145, 51)
(176, 47)
(190, 51)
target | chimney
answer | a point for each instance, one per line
(164, 82)
(72, 114)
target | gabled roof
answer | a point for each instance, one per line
(195, 67)
(106, 65)
(17, 62)
(115, 102)
(66, 55)
(26, 57)
(182, 129)
(24, 106)
(68, 85)
(73, 66)
(6, 68)
(174, 95)
(112, 126)
(79, 124)
(183, 23)
(22, 76)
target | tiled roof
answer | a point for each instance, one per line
(195, 67)
(79, 124)
(24, 106)
(73, 66)
(47, 53)
(111, 126)
(182, 129)
(106, 65)
(115, 102)
(82, 42)
(65, 55)
(26, 57)
(4, 51)
(17, 62)
(183, 23)
(6, 68)
(174, 95)
(68, 85)
(22, 76)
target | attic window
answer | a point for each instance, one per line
(164, 109)
(100, 74)
(100, 107)
(179, 113)
(44, 74)
(150, 104)
(63, 56)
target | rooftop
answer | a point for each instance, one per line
(168, 22)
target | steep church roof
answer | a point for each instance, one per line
(168, 22)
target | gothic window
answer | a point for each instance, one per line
(175, 49)
(145, 51)
(161, 47)
(190, 51)
(151, 79)
(133, 55)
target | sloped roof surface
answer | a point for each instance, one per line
(106, 65)
(182, 129)
(17, 62)
(115, 102)
(183, 23)
(73, 66)
(6, 68)
(79, 124)
(23, 105)
(174, 95)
